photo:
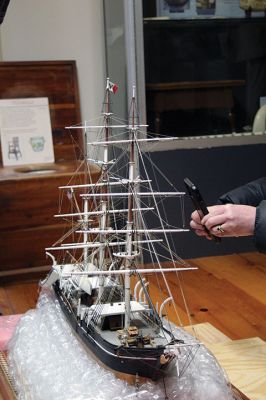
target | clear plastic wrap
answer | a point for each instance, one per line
(7, 326)
(48, 362)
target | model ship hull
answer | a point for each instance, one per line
(133, 361)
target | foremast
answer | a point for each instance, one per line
(104, 199)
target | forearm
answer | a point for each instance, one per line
(242, 212)
(254, 194)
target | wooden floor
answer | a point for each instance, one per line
(227, 291)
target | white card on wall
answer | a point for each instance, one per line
(26, 134)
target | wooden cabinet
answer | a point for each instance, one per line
(56, 80)
(29, 194)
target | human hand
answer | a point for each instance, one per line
(198, 227)
(225, 221)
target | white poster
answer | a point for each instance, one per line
(26, 134)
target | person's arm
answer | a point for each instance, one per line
(242, 212)
(250, 194)
(253, 194)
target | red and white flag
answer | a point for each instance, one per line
(112, 87)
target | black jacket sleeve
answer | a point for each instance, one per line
(260, 227)
(252, 194)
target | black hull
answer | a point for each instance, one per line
(133, 361)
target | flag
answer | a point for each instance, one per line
(113, 87)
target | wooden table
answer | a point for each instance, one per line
(191, 95)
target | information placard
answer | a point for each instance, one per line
(26, 134)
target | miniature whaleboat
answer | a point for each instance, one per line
(97, 272)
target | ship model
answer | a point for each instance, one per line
(98, 274)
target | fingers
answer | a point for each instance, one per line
(196, 226)
(214, 212)
(199, 229)
(215, 218)
(203, 233)
(226, 220)
(219, 230)
(209, 224)
(195, 217)
(213, 222)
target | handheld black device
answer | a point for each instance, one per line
(198, 202)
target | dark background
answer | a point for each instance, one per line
(207, 49)
(215, 171)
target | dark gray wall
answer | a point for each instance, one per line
(215, 171)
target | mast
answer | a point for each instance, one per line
(85, 206)
(104, 199)
(130, 216)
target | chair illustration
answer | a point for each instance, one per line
(13, 148)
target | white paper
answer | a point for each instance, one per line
(26, 134)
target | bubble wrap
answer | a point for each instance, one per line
(48, 362)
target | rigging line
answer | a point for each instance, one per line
(188, 362)
(166, 224)
(161, 255)
(120, 157)
(183, 262)
(178, 258)
(166, 239)
(68, 233)
(156, 318)
(75, 143)
(99, 118)
(151, 245)
(179, 277)
(73, 195)
(181, 199)
(158, 170)
(112, 205)
(73, 258)
(60, 201)
(161, 244)
(159, 200)
(61, 193)
(157, 185)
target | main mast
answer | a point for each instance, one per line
(130, 217)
